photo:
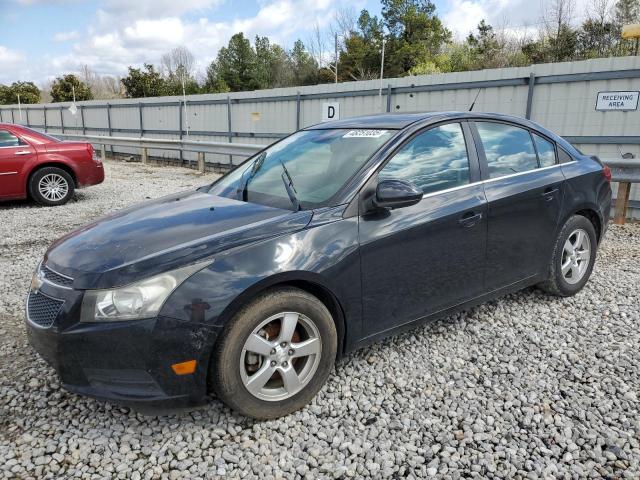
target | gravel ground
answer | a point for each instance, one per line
(529, 386)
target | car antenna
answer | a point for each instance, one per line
(474, 100)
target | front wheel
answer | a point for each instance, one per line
(275, 354)
(573, 257)
(51, 186)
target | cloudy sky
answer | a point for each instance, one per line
(42, 39)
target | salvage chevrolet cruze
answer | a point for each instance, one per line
(336, 236)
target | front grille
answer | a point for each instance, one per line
(42, 310)
(56, 278)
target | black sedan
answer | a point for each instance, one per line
(334, 237)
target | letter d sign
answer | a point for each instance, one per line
(330, 111)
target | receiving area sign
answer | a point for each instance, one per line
(617, 101)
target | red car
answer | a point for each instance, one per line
(44, 168)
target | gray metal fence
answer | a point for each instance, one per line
(560, 96)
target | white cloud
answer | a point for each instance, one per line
(66, 36)
(517, 16)
(11, 61)
(142, 9)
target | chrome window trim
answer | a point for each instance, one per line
(24, 145)
(490, 180)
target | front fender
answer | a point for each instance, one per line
(325, 255)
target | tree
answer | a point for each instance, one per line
(28, 91)
(416, 34)
(144, 83)
(177, 67)
(62, 89)
(303, 66)
(235, 65)
(271, 68)
(485, 47)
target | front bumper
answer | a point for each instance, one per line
(128, 363)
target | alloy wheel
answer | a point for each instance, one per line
(53, 187)
(280, 356)
(576, 255)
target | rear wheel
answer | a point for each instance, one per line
(275, 354)
(573, 257)
(51, 186)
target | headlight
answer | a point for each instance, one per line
(142, 299)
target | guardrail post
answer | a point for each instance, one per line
(44, 109)
(388, 98)
(103, 152)
(27, 114)
(622, 203)
(144, 156)
(201, 162)
(532, 83)
(61, 120)
(13, 120)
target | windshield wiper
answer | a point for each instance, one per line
(288, 185)
(257, 164)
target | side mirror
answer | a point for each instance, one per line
(396, 194)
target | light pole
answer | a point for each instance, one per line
(381, 75)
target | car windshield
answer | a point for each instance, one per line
(305, 170)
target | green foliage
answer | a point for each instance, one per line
(145, 83)
(62, 89)
(28, 91)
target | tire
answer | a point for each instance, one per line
(234, 366)
(572, 279)
(51, 186)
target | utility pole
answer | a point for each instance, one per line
(381, 75)
(336, 56)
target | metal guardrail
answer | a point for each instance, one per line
(185, 145)
(625, 172)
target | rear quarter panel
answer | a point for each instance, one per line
(586, 189)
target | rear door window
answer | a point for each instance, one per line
(546, 151)
(7, 139)
(508, 149)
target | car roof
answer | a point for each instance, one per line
(398, 121)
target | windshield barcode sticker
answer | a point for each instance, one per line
(364, 134)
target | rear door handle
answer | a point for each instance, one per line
(549, 193)
(470, 219)
(23, 152)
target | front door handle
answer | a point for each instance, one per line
(470, 219)
(23, 152)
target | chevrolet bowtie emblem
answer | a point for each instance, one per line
(36, 282)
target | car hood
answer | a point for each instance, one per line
(163, 234)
